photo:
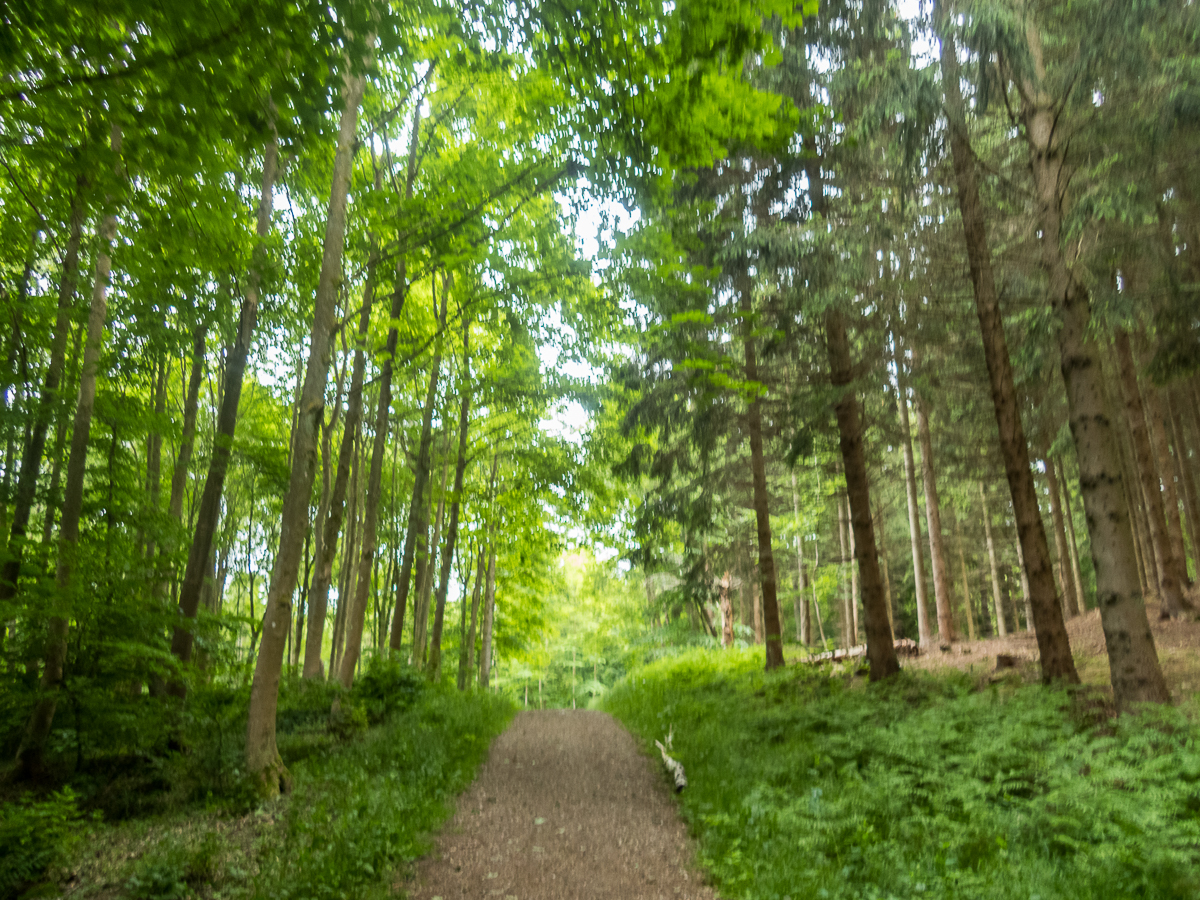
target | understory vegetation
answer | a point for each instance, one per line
(370, 782)
(805, 785)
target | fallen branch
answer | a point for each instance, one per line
(904, 647)
(674, 767)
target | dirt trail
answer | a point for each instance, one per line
(565, 809)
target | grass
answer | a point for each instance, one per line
(364, 803)
(803, 784)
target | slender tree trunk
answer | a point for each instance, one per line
(933, 520)
(187, 440)
(887, 581)
(803, 622)
(318, 603)
(1066, 576)
(418, 523)
(262, 757)
(1072, 543)
(1024, 588)
(31, 461)
(1157, 415)
(222, 449)
(924, 632)
(59, 452)
(357, 611)
(1133, 662)
(31, 751)
(844, 582)
(1053, 646)
(997, 597)
(335, 512)
(489, 619)
(881, 650)
(1170, 586)
(966, 582)
(421, 620)
(758, 472)
(154, 449)
(1191, 504)
(466, 659)
(460, 467)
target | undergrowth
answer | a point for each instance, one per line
(803, 784)
(371, 782)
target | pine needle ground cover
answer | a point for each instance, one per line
(807, 785)
(364, 803)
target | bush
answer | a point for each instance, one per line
(35, 835)
(802, 784)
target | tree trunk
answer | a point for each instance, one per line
(1024, 588)
(357, 611)
(1072, 543)
(460, 468)
(421, 611)
(187, 440)
(59, 452)
(966, 582)
(1066, 574)
(154, 449)
(758, 472)
(335, 512)
(1053, 646)
(1158, 421)
(418, 523)
(1133, 662)
(844, 614)
(1191, 504)
(924, 632)
(997, 598)
(803, 622)
(262, 757)
(31, 751)
(222, 448)
(317, 611)
(466, 659)
(489, 618)
(31, 461)
(881, 650)
(933, 520)
(1170, 586)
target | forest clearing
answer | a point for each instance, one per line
(806, 390)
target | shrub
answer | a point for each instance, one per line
(35, 835)
(802, 784)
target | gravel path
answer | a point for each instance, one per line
(565, 809)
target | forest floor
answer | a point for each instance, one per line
(1177, 641)
(565, 808)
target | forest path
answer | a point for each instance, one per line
(565, 808)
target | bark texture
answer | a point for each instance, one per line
(881, 651)
(1133, 661)
(1066, 573)
(1053, 647)
(262, 757)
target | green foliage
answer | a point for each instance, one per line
(34, 835)
(807, 785)
(365, 809)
